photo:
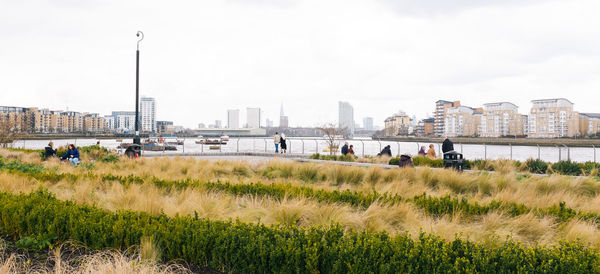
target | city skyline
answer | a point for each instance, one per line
(379, 56)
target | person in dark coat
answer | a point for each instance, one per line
(283, 143)
(50, 150)
(405, 161)
(345, 149)
(386, 151)
(351, 150)
(447, 145)
(422, 151)
(72, 155)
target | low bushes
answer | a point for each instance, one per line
(567, 168)
(344, 158)
(536, 166)
(239, 247)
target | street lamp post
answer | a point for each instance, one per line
(136, 139)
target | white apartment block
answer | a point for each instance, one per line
(253, 118)
(501, 119)
(553, 118)
(233, 118)
(461, 121)
(346, 116)
(148, 114)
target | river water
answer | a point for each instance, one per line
(309, 146)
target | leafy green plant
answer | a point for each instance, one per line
(37, 243)
(567, 168)
(536, 166)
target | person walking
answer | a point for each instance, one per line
(422, 151)
(345, 149)
(72, 155)
(447, 145)
(351, 150)
(50, 151)
(283, 144)
(431, 152)
(277, 140)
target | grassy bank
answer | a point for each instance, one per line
(481, 209)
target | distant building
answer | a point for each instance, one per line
(283, 119)
(368, 123)
(253, 118)
(71, 121)
(346, 117)
(201, 125)
(462, 121)
(147, 114)
(124, 121)
(440, 115)
(233, 118)
(425, 127)
(269, 123)
(501, 119)
(218, 124)
(397, 124)
(553, 118)
(164, 127)
(589, 124)
(283, 122)
(110, 122)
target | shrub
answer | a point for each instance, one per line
(536, 166)
(247, 248)
(424, 161)
(567, 168)
(590, 168)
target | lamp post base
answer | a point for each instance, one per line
(136, 140)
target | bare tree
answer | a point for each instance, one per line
(8, 132)
(331, 134)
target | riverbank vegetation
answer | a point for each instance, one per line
(504, 166)
(238, 216)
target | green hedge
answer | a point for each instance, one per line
(239, 247)
(343, 158)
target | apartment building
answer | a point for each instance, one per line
(397, 124)
(441, 107)
(589, 124)
(462, 121)
(501, 119)
(92, 122)
(124, 121)
(346, 117)
(553, 118)
(425, 127)
(147, 114)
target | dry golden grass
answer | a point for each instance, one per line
(535, 192)
(103, 262)
(301, 212)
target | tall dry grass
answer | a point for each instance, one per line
(535, 192)
(101, 262)
(394, 219)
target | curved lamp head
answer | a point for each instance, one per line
(141, 35)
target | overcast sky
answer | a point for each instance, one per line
(200, 58)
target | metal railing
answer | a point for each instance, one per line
(308, 146)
